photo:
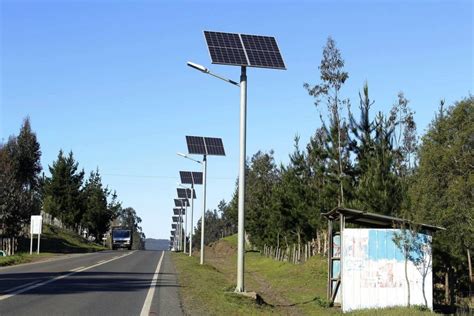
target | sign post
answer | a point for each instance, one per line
(35, 228)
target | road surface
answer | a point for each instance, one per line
(105, 283)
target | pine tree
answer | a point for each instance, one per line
(261, 179)
(19, 180)
(98, 214)
(442, 192)
(62, 192)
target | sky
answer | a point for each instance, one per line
(108, 80)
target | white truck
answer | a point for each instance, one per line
(121, 238)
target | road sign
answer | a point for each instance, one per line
(36, 224)
(35, 228)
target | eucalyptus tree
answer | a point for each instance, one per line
(333, 77)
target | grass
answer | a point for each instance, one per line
(54, 241)
(288, 289)
(206, 291)
(23, 257)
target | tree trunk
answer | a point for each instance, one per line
(469, 265)
(299, 247)
(423, 289)
(406, 277)
(446, 288)
(278, 240)
(318, 240)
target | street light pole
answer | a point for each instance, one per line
(241, 214)
(191, 232)
(180, 247)
(185, 226)
(204, 160)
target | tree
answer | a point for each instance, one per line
(261, 179)
(98, 213)
(333, 77)
(442, 190)
(19, 181)
(62, 191)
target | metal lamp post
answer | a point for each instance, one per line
(192, 209)
(243, 50)
(204, 163)
(243, 139)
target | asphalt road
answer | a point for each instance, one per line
(105, 283)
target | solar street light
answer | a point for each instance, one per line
(245, 51)
(190, 194)
(192, 178)
(202, 146)
(181, 203)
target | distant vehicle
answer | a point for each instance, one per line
(121, 238)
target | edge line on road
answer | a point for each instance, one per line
(151, 291)
(28, 287)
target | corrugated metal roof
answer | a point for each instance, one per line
(373, 220)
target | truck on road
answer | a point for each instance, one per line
(122, 238)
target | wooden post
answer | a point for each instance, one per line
(470, 267)
(330, 250)
(342, 223)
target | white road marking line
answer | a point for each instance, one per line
(151, 291)
(82, 267)
(28, 287)
(22, 285)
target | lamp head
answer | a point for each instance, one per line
(198, 67)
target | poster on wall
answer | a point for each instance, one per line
(373, 270)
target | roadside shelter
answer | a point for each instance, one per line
(366, 265)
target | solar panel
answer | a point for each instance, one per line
(197, 177)
(176, 211)
(188, 177)
(175, 219)
(196, 145)
(244, 50)
(205, 145)
(262, 51)
(214, 146)
(185, 193)
(173, 226)
(173, 232)
(225, 48)
(181, 202)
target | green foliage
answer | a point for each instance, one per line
(62, 192)
(19, 180)
(98, 213)
(442, 190)
(213, 230)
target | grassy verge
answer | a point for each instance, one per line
(57, 240)
(54, 242)
(206, 291)
(24, 258)
(287, 289)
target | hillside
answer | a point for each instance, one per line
(284, 288)
(54, 242)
